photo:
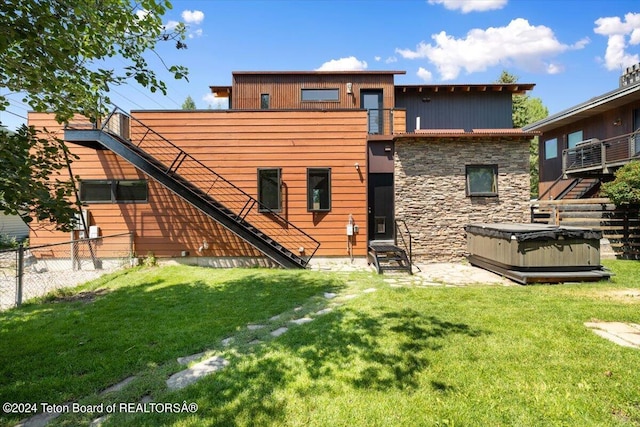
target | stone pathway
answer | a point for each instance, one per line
(624, 334)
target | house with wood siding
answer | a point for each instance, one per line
(305, 165)
(584, 145)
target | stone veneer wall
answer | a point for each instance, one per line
(430, 191)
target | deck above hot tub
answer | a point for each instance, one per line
(528, 253)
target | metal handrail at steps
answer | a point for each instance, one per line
(402, 230)
(204, 188)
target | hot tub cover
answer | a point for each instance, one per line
(523, 232)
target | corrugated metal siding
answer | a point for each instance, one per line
(13, 226)
(285, 90)
(456, 110)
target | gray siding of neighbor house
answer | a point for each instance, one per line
(13, 226)
(430, 192)
(456, 110)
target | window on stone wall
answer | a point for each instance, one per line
(482, 180)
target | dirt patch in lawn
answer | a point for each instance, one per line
(84, 296)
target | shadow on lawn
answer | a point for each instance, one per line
(382, 350)
(61, 351)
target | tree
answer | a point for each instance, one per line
(624, 190)
(33, 183)
(527, 110)
(189, 104)
(57, 53)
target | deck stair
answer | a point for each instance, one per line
(389, 257)
(200, 186)
(579, 188)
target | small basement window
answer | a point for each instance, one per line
(320, 95)
(269, 194)
(319, 190)
(482, 180)
(114, 191)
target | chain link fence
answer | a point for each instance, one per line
(30, 272)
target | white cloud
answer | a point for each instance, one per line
(616, 30)
(350, 63)
(391, 60)
(519, 44)
(377, 58)
(193, 16)
(466, 6)
(554, 69)
(424, 74)
(171, 25)
(195, 34)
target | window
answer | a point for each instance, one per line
(574, 138)
(113, 191)
(320, 95)
(551, 149)
(319, 190)
(482, 180)
(264, 101)
(269, 194)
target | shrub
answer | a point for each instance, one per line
(624, 190)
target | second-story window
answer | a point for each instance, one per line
(320, 95)
(551, 149)
(264, 101)
(574, 138)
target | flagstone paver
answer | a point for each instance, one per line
(189, 376)
(281, 330)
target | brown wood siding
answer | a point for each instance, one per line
(601, 127)
(235, 144)
(285, 90)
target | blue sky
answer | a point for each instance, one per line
(571, 49)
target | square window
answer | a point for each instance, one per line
(319, 190)
(482, 180)
(269, 194)
(574, 138)
(113, 191)
(551, 149)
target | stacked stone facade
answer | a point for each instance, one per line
(430, 190)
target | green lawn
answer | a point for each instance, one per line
(438, 356)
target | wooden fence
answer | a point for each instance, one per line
(621, 226)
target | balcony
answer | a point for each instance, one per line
(594, 156)
(385, 122)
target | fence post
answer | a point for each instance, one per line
(19, 274)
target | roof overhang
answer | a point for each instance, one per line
(590, 108)
(515, 134)
(515, 88)
(323, 73)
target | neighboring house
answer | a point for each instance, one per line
(13, 226)
(582, 146)
(303, 164)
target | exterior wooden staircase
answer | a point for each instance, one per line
(200, 186)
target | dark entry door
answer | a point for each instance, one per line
(381, 206)
(371, 99)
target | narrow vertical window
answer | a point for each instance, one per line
(551, 149)
(264, 101)
(319, 190)
(269, 194)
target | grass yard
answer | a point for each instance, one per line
(437, 356)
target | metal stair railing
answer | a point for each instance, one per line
(181, 165)
(400, 234)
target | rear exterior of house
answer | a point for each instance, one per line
(304, 164)
(584, 145)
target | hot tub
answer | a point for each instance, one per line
(529, 253)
